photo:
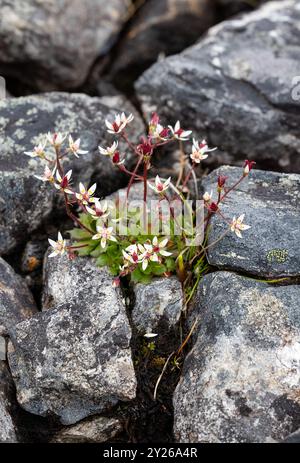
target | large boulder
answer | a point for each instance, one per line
(234, 91)
(270, 202)
(16, 301)
(240, 382)
(160, 28)
(74, 359)
(25, 200)
(52, 46)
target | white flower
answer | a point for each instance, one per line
(150, 252)
(85, 196)
(58, 246)
(100, 211)
(199, 151)
(207, 197)
(48, 175)
(63, 182)
(150, 335)
(110, 150)
(179, 133)
(158, 247)
(56, 139)
(74, 147)
(131, 254)
(237, 225)
(104, 234)
(38, 151)
(119, 123)
(160, 186)
(160, 132)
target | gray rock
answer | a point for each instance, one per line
(158, 29)
(74, 360)
(270, 202)
(240, 382)
(52, 46)
(159, 302)
(234, 91)
(293, 438)
(2, 348)
(8, 428)
(16, 301)
(95, 430)
(23, 123)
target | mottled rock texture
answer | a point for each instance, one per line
(16, 301)
(25, 200)
(2, 348)
(270, 202)
(95, 430)
(74, 360)
(234, 91)
(52, 45)
(160, 28)
(157, 305)
(240, 382)
(8, 428)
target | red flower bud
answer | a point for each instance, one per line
(154, 119)
(221, 181)
(213, 207)
(145, 148)
(116, 157)
(248, 165)
(116, 282)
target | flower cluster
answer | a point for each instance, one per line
(95, 234)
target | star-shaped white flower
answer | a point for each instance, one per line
(109, 150)
(100, 211)
(237, 225)
(160, 186)
(48, 175)
(199, 151)
(152, 252)
(38, 151)
(207, 197)
(86, 196)
(104, 234)
(63, 183)
(59, 246)
(179, 133)
(119, 124)
(56, 139)
(131, 255)
(74, 147)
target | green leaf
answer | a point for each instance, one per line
(79, 234)
(102, 260)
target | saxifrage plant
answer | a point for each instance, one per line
(122, 238)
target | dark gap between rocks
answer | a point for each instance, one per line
(149, 420)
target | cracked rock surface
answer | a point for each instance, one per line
(52, 45)
(157, 304)
(235, 92)
(8, 428)
(74, 359)
(94, 430)
(270, 202)
(160, 28)
(24, 200)
(240, 382)
(16, 301)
